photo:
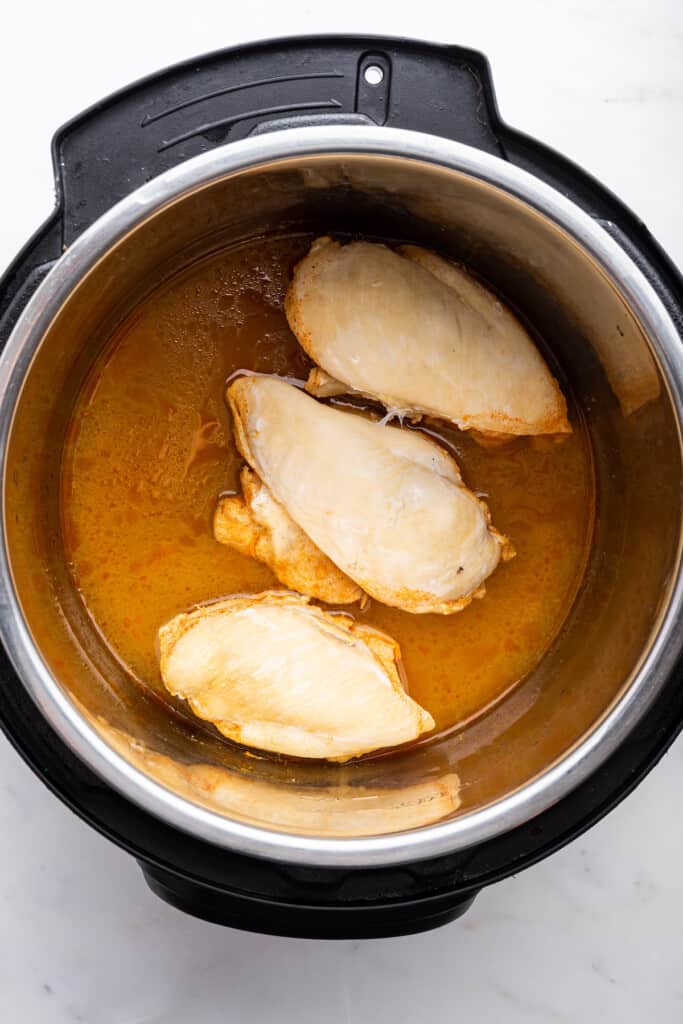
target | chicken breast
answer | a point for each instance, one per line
(422, 336)
(257, 525)
(387, 506)
(272, 671)
(328, 811)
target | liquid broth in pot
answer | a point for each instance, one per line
(150, 448)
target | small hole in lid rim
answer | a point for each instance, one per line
(373, 74)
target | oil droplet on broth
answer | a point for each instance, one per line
(150, 449)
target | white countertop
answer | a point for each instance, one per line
(591, 934)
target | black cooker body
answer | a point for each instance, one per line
(112, 149)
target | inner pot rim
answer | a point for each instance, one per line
(252, 154)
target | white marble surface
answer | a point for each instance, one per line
(591, 934)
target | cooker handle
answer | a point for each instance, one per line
(139, 133)
(127, 139)
(26, 272)
(304, 917)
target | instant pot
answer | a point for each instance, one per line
(394, 139)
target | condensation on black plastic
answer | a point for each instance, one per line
(109, 151)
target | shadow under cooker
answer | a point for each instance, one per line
(598, 339)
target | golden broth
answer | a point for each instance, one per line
(150, 448)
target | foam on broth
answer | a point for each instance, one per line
(150, 448)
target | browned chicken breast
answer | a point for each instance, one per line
(272, 671)
(387, 506)
(422, 336)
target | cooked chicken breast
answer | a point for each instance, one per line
(257, 525)
(387, 506)
(328, 811)
(273, 672)
(422, 336)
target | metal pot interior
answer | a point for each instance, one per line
(608, 361)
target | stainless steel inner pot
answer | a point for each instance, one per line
(620, 354)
